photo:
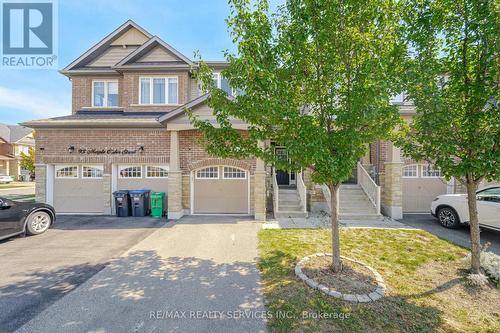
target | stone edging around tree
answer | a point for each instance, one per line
(377, 294)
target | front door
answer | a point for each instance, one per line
(284, 177)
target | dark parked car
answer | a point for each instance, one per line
(24, 217)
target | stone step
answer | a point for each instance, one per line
(291, 208)
(289, 202)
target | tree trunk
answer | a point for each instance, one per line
(474, 225)
(336, 263)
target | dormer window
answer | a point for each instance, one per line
(105, 93)
(158, 90)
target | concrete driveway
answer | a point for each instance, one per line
(195, 275)
(37, 271)
(458, 236)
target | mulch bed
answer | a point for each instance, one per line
(353, 279)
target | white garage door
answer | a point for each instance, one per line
(78, 189)
(421, 185)
(220, 190)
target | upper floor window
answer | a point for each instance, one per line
(222, 83)
(105, 93)
(158, 90)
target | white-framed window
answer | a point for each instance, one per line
(158, 90)
(410, 171)
(130, 171)
(66, 171)
(105, 93)
(222, 83)
(208, 173)
(156, 171)
(430, 171)
(398, 98)
(92, 171)
(233, 173)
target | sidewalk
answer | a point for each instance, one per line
(322, 220)
(199, 275)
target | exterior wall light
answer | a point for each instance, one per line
(71, 149)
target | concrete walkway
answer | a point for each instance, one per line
(322, 220)
(198, 275)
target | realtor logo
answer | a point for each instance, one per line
(29, 34)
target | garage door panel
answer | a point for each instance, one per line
(418, 193)
(213, 196)
(78, 196)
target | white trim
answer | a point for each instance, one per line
(248, 191)
(125, 166)
(49, 184)
(105, 100)
(58, 167)
(96, 166)
(156, 166)
(191, 191)
(206, 167)
(410, 165)
(151, 86)
(230, 166)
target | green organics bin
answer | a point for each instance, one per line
(157, 204)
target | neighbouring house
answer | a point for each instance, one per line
(128, 130)
(14, 140)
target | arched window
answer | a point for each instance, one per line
(67, 171)
(211, 172)
(234, 173)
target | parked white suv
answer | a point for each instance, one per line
(4, 179)
(452, 210)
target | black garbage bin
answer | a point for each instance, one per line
(139, 201)
(122, 203)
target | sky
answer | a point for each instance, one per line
(186, 25)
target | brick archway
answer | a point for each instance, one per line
(219, 161)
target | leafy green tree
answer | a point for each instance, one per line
(315, 76)
(453, 79)
(28, 160)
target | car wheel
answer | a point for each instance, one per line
(448, 218)
(38, 222)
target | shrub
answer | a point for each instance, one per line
(490, 262)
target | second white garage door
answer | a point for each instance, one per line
(78, 189)
(421, 185)
(220, 190)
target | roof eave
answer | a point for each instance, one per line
(94, 123)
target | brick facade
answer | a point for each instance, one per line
(192, 152)
(52, 145)
(128, 91)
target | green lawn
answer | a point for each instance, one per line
(423, 274)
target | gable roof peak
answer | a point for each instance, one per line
(102, 45)
(148, 46)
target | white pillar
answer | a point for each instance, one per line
(7, 172)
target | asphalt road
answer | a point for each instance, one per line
(458, 236)
(36, 271)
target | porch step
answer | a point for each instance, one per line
(355, 205)
(289, 204)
